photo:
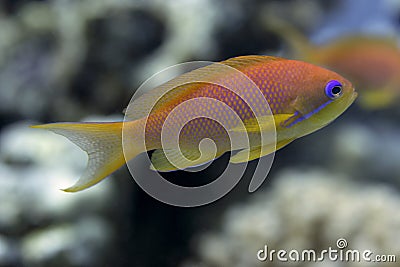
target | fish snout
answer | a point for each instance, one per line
(354, 95)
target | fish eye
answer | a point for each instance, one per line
(333, 89)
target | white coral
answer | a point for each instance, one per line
(304, 210)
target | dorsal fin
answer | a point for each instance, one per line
(186, 83)
(243, 61)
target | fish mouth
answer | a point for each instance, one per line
(353, 95)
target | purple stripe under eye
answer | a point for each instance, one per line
(304, 117)
(291, 121)
(317, 109)
(295, 121)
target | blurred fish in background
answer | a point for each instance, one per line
(83, 60)
(372, 63)
(369, 58)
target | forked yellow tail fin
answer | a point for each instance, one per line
(101, 141)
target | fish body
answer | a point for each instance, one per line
(302, 98)
(372, 63)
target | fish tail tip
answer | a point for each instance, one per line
(65, 190)
(38, 126)
(71, 190)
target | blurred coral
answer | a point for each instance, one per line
(38, 222)
(306, 209)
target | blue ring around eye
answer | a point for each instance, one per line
(333, 89)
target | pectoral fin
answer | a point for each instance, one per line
(264, 123)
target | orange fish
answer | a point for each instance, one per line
(371, 63)
(302, 98)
